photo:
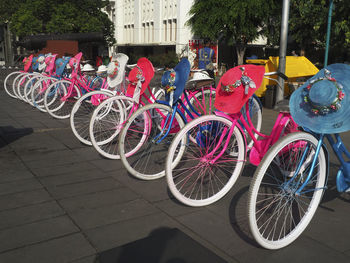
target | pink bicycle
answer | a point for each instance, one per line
(208, 154)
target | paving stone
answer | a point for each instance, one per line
(305, 250)
(108, 165)
(98, 200)
(23, 235)
(218, 231)
(62, 169)
(173, 207)
(71, 178)
(76, 189)
(14, 174)
(90, 259)
(120, 233)
(65, 249)
(49, 157)
(24, 199)
(19, 186)
(91, 218)
(87, 153)
(159, 187)
(29, 214)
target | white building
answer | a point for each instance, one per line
(150, 26)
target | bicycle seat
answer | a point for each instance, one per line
(282, 106)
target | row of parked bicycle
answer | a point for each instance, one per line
(200, 135)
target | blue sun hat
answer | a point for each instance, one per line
(35, 64)
(174, 80)
(61, 65)
(322, 104)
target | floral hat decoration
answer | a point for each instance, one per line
(116, 69)
(236, 86)
(174, 80)
(139, 78)
(322, 104)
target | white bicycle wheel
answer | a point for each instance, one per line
(8, 83)
(277, 213)
(106, 123)
(212, 156)
(22, 83)
(144, 142)
(29, 86)
(38, 92)
(82, 111)
(60, 97)
(16, 81)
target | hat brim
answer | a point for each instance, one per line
(233, 102)
(332, 122)
(122, 59)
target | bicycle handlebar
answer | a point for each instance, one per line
(278, 73)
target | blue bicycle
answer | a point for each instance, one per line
(289, 183)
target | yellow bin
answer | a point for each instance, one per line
(296, 67)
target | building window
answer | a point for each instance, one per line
(165, 30)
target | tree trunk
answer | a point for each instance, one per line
(240, 49)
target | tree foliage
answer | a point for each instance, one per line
(237, 22)
(29, 17)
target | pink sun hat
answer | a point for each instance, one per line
(236, 86)
(27, 62)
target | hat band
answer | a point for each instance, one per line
(334, 105)
(246, 81)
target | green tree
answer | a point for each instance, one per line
(29, 17)
(237, 22)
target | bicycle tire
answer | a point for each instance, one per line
(81, 115)
(141, 150)
(194, 180)
(280, 208)
(8, 83)
(106, 124)
(59, 101)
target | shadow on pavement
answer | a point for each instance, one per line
(163, 245)
(9, 134)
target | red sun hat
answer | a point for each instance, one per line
(143, 71)
(236, 86)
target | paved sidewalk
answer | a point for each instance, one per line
(60, 201)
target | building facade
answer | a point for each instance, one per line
(150, 26)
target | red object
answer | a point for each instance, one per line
(147, 72)
(98, 61)
(232, 101)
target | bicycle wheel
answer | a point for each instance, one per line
(8, 83)
(106, 124)
(28, 88)
(38, 92)
(82, 111)
(277, 215)
(60, 97)
(212, 156)
(16, 82)
(22, 84)
(142, 147)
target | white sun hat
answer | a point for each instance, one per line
(87, 67)
(102, 69)
(200, 79)
(116, 69)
